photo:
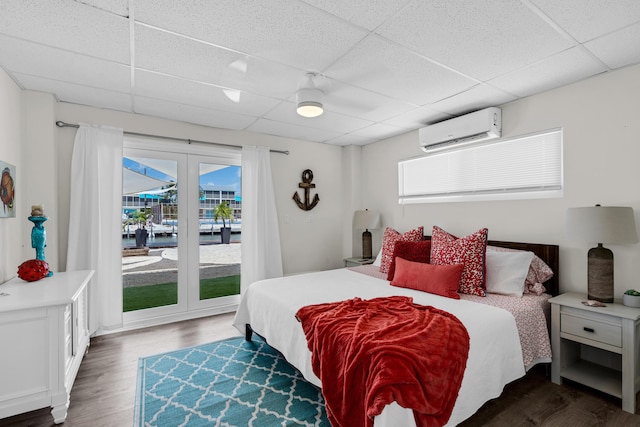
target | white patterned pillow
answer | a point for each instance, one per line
(469, 250)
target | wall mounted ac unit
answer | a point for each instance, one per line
(477, 126)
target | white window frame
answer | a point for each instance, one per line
(524, 167)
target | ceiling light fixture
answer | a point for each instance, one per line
(309, 99)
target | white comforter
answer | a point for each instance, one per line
(495, 356)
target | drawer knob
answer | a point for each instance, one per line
(588, 329)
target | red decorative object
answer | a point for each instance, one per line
(33, 269)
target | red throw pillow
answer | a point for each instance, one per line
(389, 240)
(469, 250)
(411, 251)
(435, 279)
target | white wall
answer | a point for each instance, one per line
(40, 171)
(602, 148)
(11, 229)
(310, 240)
(352, 198)
(601, 121)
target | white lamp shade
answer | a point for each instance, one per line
(601, 224)
(366, 220)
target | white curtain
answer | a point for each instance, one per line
(95, 240)
(261, 256)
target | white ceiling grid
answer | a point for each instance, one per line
(386, 66)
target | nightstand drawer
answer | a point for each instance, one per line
(593, 330)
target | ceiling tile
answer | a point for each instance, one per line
(55, 64)
(365, 13)
(350, 139)
(417, 118)
(563, 68)
(613, 49)
(286, 112)
(191, 59)
(357, 102)
(588, 19)
(476, 98)
(191, 114)
(477, 39)
(385, 66)
(69, 25)
(77, 94)
(119, 7)
(381, 67)
(289, 130)
(160, 86)
(380, 131)
(286, 31)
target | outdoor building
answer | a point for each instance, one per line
(163, 207)
(216, 194)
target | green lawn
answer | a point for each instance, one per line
(139, 297)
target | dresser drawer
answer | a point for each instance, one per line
(592, 329)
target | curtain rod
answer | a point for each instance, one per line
(62, 124)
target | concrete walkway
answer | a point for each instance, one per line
(161, 265)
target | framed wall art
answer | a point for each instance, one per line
(7, 190)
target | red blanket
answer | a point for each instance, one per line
(369, 353)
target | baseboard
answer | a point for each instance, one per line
(170, 318)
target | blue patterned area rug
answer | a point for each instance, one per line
(230, 383)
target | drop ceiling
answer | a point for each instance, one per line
(385, 66)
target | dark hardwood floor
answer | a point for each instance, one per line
(104, 391)
(535, 401)
(103, 394)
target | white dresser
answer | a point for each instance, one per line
(43, 337)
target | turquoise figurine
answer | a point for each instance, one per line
(39, 237)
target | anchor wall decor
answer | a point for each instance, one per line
(307, 177)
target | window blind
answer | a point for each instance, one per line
(523, 167)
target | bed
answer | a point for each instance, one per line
(499, 350)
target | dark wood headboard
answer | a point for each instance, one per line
(550, 254)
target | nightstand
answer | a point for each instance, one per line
(596, 346)
(356, 261)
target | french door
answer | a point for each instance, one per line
(183, 269)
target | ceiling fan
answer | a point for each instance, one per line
(318, 91)
(310, 98)
(314, 92)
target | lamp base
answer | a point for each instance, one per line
(367, 251)
(600, 274)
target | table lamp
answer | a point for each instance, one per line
(601, 224)
(366, 220)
